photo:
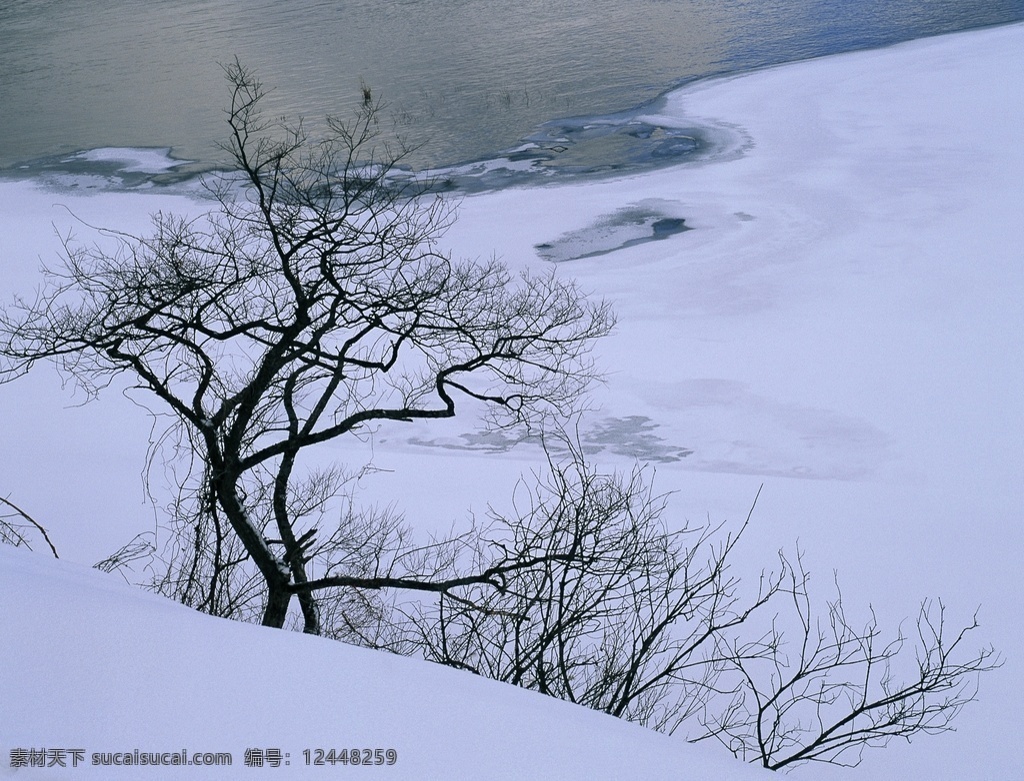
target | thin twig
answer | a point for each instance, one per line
(31, 520)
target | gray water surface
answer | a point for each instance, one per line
(463, 78)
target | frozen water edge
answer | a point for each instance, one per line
(144, 161)
(110, 169)
(576, 149)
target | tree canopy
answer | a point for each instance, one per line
(311, 302)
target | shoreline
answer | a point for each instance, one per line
(562, 150)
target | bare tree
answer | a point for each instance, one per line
(820, 688)
(312, 303)
(625, 614)
(619, 614)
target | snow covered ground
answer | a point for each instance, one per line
(100, 667)
(843, 323)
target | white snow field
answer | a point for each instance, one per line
(844, 324)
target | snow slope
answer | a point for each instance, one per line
(98, 666)
(844, 323)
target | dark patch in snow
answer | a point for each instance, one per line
(627, 227)
(631, 436)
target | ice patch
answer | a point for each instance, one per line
(589, 148)
(631, 436)
(110, 169)
(648, 220)
(128, 160)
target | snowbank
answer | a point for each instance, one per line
(90, 664)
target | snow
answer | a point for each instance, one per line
(131, 160)
(843, 324)
(106, 669)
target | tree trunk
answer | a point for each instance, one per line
(276, 611)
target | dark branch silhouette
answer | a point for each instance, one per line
(313, 302)
(11, 531)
